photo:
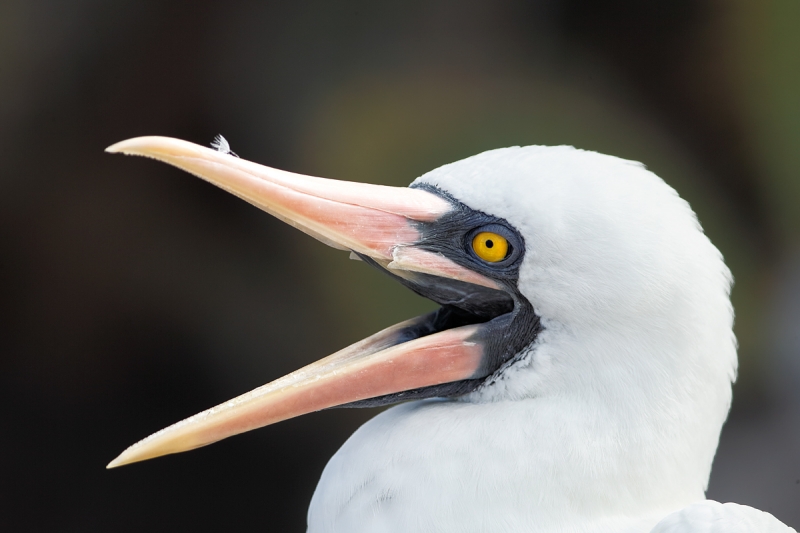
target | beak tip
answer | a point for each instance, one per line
(150, 146)
(116, 463)
(113, 149)
(130, 455)
(127, 147)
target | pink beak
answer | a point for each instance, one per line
(373, 220)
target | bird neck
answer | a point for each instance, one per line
(612, 408)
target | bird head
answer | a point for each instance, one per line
(560, 273)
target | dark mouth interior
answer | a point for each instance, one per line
(444, 318)
(462, 303)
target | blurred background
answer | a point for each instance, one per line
(133, 295)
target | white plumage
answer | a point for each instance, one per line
(715, 517)
(609, 421)
(221, 144)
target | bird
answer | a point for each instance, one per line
(575, 377)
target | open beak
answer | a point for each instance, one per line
(380, 224)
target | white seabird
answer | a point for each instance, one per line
(575, 379)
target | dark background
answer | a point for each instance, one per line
(133, 295)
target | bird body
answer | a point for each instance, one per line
(611, 416)
(447, 466)
(576, 381)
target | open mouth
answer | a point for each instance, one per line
(464, 260)
(462, 305)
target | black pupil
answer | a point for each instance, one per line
(489, 243)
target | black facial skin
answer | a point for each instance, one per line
(510, 321)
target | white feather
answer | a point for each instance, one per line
(220, 144)
(610, 420)
(713, 517)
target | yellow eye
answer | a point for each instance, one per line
(490, 246)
